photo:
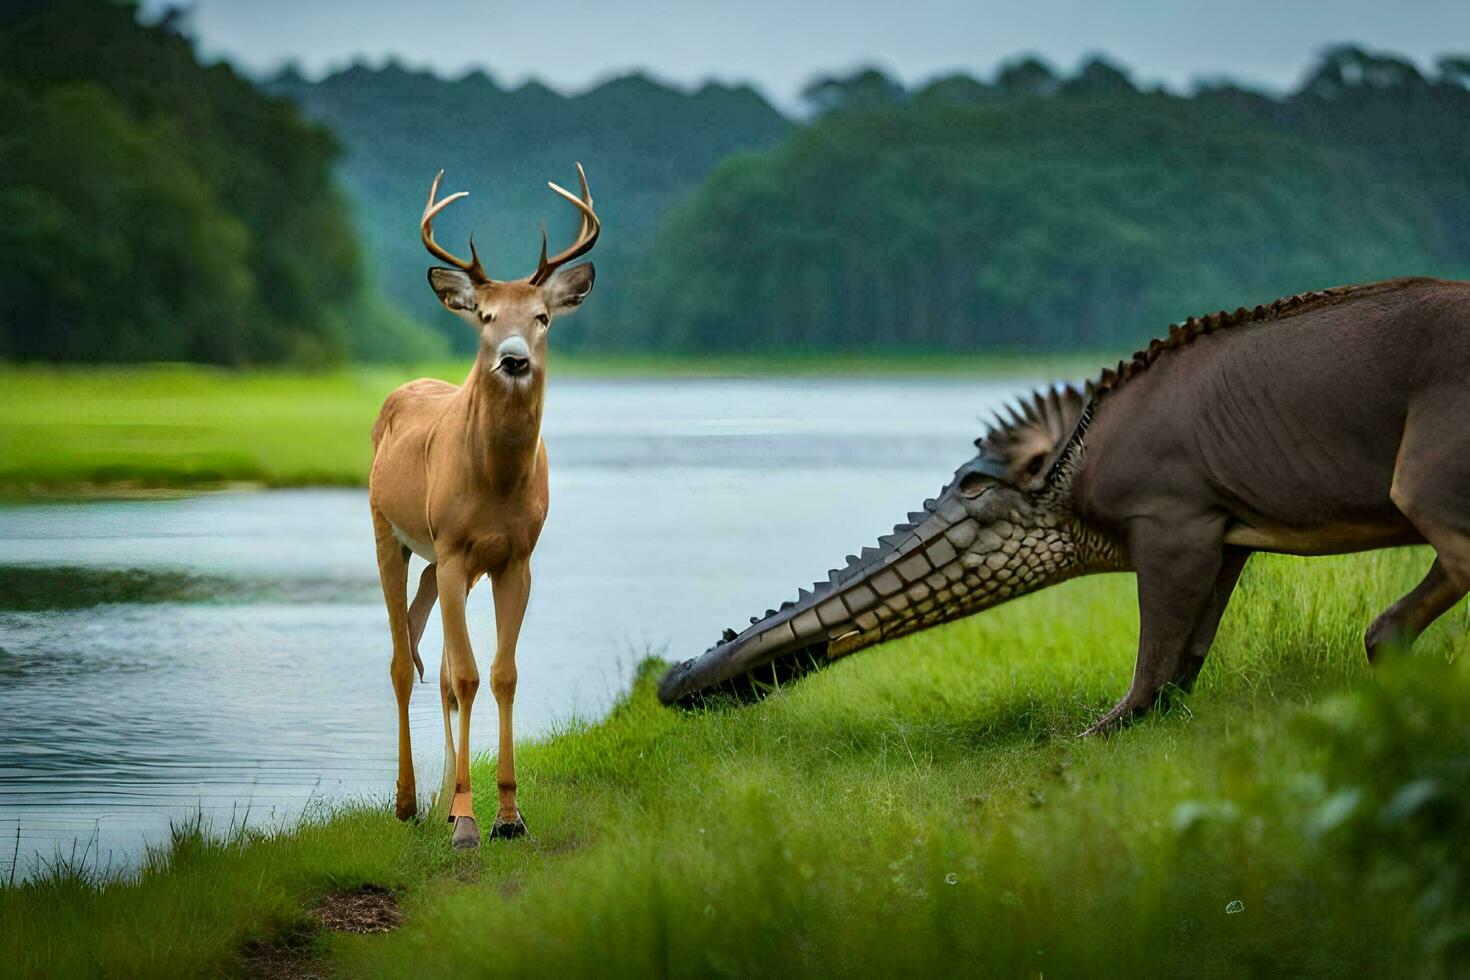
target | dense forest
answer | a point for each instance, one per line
(157, 209)
(1032, 209)
(1051, 211)
(153, 209)
(644, 145)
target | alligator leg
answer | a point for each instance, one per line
(1203, 636)
(1401, 623)
(1431, 487)
(1179, 565)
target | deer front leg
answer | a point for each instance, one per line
(464, 682)
(393, 573)
(512, 587)
(1179, 567)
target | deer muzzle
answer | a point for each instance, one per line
(513, 357)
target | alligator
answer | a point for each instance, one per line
(1327, 422)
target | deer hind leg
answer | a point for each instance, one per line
(393, 574)
(512, 586)
(418, 612)
(464, 676)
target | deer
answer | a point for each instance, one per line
(459, 478)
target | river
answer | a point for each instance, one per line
(253, 681)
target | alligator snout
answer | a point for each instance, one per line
(671, 685)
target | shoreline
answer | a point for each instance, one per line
(80, 433)
(926, 803)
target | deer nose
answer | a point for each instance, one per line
(514, 356)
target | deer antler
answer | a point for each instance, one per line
(426, 230)
(587, 234)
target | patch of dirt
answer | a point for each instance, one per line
(370, 908)
(294, 956)
(288, 958)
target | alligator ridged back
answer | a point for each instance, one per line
(1193, 328)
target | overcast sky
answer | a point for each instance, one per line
(779, 44)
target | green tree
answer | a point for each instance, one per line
(155, 209)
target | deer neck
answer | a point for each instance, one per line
(502, 423)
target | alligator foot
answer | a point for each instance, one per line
(466, 834)
(1123, 712)
(508, 829)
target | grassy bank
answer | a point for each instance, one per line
(923, 808)
(111, 429)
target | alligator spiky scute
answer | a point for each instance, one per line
(1034, 425)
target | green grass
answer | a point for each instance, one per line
(80, 430)
(922, 808)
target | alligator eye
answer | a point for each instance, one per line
(973, 485)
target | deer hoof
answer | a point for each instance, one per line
(407, 806)
(508, 829)
(466, 834)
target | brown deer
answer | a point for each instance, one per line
(459, 478)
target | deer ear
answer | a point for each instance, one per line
(455, 289)
(566, 290)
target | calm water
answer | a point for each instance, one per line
(678, 508)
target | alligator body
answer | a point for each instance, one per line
(1328, 422)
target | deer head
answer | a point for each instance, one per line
(513, 316)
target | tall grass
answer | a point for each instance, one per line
(922, 808)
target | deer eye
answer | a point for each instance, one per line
(543, 319)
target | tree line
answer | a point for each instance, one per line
(158, 209)
(1045, 211)
(155, 209)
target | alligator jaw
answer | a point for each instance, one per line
(954, 558)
